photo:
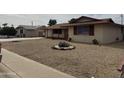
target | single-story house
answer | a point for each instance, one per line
(41, 31)
(86, 29)
(29, 31)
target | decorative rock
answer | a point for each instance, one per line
(63, 46)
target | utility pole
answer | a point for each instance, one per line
(32, 23)
(122, 27)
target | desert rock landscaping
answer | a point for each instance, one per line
(86, 60)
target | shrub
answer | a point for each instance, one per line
(69, 39)
(95, 42)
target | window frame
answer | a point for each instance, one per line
(90, 32)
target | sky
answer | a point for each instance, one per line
(42, 19)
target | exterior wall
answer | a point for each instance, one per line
(98, 31)
(111, 33)
(79, 38)
(33, 33)
(103, 33)
(50, 35)
(18, 32)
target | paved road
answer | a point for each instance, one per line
(19, 39)
(27, 68)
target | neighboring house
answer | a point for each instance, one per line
(41, 31)
(28, 31)
(86, 29)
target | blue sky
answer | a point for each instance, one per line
(42, 19)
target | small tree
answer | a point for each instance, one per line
(5, 24)
(8, 31)
(52, 22)
(72, 20)
(12, 31)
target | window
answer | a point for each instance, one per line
(57, 31)
(84, 30)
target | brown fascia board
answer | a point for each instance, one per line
(103, 22)
(86, 23)
(57, 26)
(108, 19)
(62, 27)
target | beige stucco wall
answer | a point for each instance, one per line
(98, 31)
(79, 38)
(104, 33)
(111, 32)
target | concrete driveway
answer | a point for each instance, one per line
(19, 39)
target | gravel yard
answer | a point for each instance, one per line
(84, 61)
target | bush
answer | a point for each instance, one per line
(95, 42)
(69, 39)
(9, 31)
(117, 39)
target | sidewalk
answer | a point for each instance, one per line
(19, 39)
(27, 68)
(6, 72)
